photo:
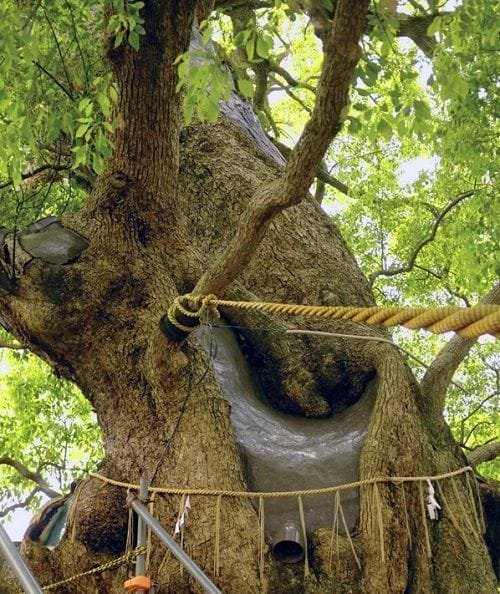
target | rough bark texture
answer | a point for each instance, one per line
(152, 235)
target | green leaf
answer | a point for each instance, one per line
(246, 87)
(81, 130)
(250, 48)
(97, 163)
(262, 47)
(385, 129)
(133, 39)
(434, 27)
(118, 39)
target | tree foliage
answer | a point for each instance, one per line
(416, 159)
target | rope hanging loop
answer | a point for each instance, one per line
(186, 313)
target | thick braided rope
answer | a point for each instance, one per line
(469, 322)
(278, 494)
(114, 563)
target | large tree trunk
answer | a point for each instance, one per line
(96, 321)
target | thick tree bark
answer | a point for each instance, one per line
(152, 235)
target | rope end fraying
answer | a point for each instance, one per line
(186, 313)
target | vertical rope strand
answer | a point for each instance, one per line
(346, 528)
(479, 502)
(451, 515)
(424, 520)
(335, 532)
(304, 535)
(472, 503)
(182, 503)
(463, 509)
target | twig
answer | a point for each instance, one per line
(54, 79)
(479, 406)
(289, 78)
(7, 510)
(25, 472)
(80, 51)
(393, 271)
(58, 46)
(476, 426)
(291, 94)
(34, 172)
(447, 287)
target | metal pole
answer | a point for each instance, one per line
(170, 543)
(17, 564)
(140, 562)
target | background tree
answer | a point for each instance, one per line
(98, 138)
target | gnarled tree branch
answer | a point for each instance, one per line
(20, 504)
(436, 380)
(394, 270)
(25, 472)
(484, 453)
(342, 54)
(37, 171)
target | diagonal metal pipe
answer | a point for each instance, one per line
(169, 542)
(17, 564)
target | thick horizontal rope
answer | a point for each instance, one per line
(129, 557)
(278, 494)
(469, 322)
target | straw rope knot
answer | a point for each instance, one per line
(186, 313)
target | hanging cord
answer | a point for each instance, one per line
(128, 558)
(212, 352)
(279, 494)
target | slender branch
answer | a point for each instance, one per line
(394, 270)
(484, 453)
(21, 504)
(77, 41)
(54, 79)
(291, 94)
(479, 406)
(58, 46)
(341, 55)
(471, 432)
(25, 472)
(437, 378)
(451, 291)
(34, 172)
(293, 82)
